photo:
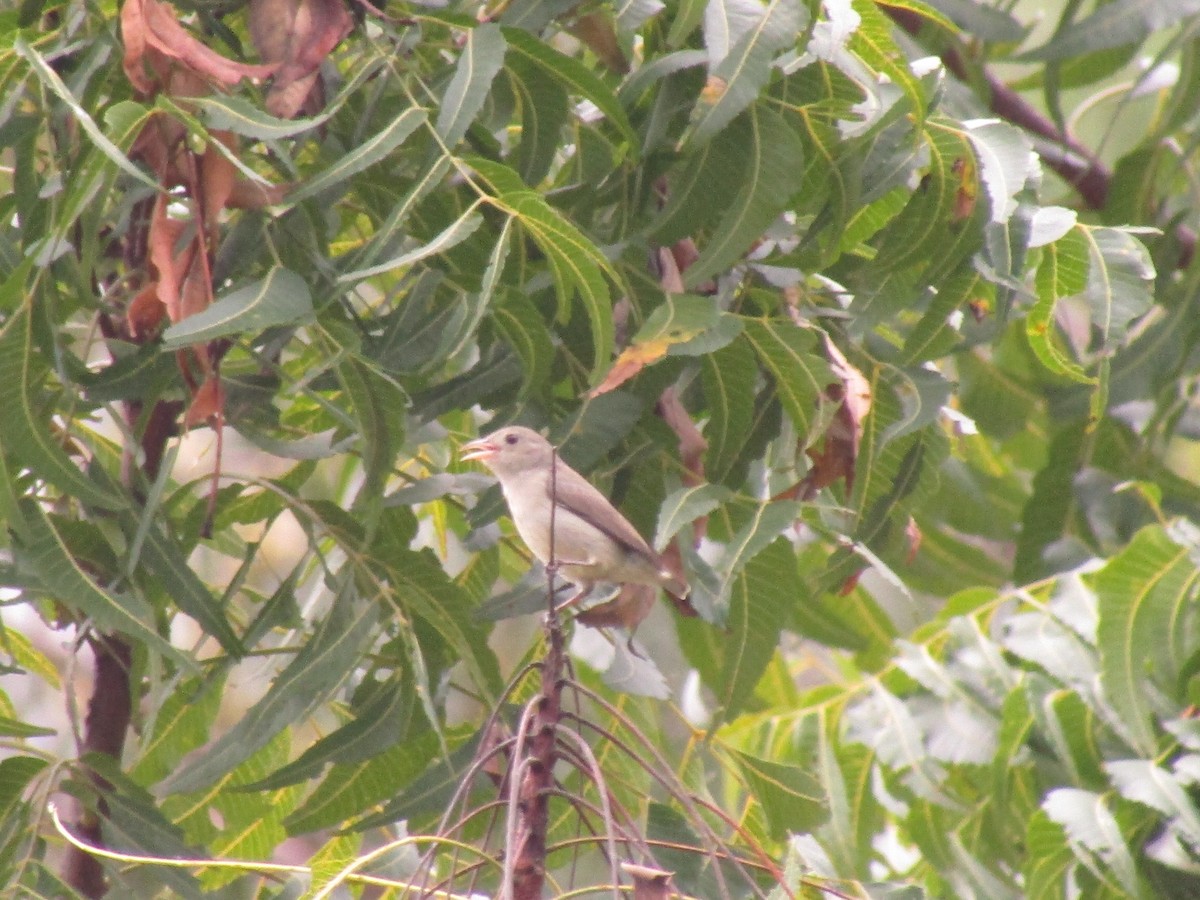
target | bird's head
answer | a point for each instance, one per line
(510, 451)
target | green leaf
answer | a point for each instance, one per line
(705, 186)
(1144, 631)
(576, 263)
(573, 76)
(169, 567)
(1062, 273)
(317, 671)
(744, 66)
(423, 587)
(479, 62)
(766, 522)
(800, 376)
(380, 724)
(771, 173)
(55, 84)
(934, 335)
(180, 723)
(543, 106)
(352, 788)
(633, 14)
(224, 112)
(61, 576)
(872, 41)
(1120, 281)
(16, 772)
(1142, 781)
(684, 506)
(729, 377)
(26, 436)
(1006, 162)
(765, 585)
(987, 23)
(792, 799)
(281, 298)
(524, 328)
(1112, 25)
(1091, 826)
(687, 325)
(452, 235)
(374, 149)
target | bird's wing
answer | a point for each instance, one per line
(577, 495)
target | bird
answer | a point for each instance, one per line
(593, 542)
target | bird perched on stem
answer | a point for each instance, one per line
(592, 541)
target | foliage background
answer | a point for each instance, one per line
(879, 318)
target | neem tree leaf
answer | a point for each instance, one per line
(281, 298)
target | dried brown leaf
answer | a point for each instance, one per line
(154, 38)
(208, 403)
(626, 610)
(145, 312)
(631, 361)
(595, 31)
(297, 36)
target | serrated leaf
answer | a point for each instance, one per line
(683, 325)
(16, 772)
(25, 435)
(169, 567)
(450, 236)
(1090, 824)
(61, 577)
(423, 586)
(318, 670)
(791, 798)
(575, 262)
(704, 188)
(181, 723)
(281, 298)
(524, 328)
(481, 59)
(770, 175)
(729, 377)
(227, 112)
(1062, 273)
(374, 149)
(684, 506)
(1006, 161)
(741, 70)
(766, 522)
(20, 649)
(765, 586)
(633, 14)
(81, 116)
(987, 23)
(934, 335)
(429, 792)
(1120, 281)
(543, 107)
(573, 76)
(873, 42)
(378, 726)
(1144, 595)
(800, 375)
(1142, 781)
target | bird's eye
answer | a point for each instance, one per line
(511, 439)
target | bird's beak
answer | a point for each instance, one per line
(481, 449)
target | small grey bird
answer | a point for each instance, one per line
(592, 541)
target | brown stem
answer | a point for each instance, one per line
(107, 720)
